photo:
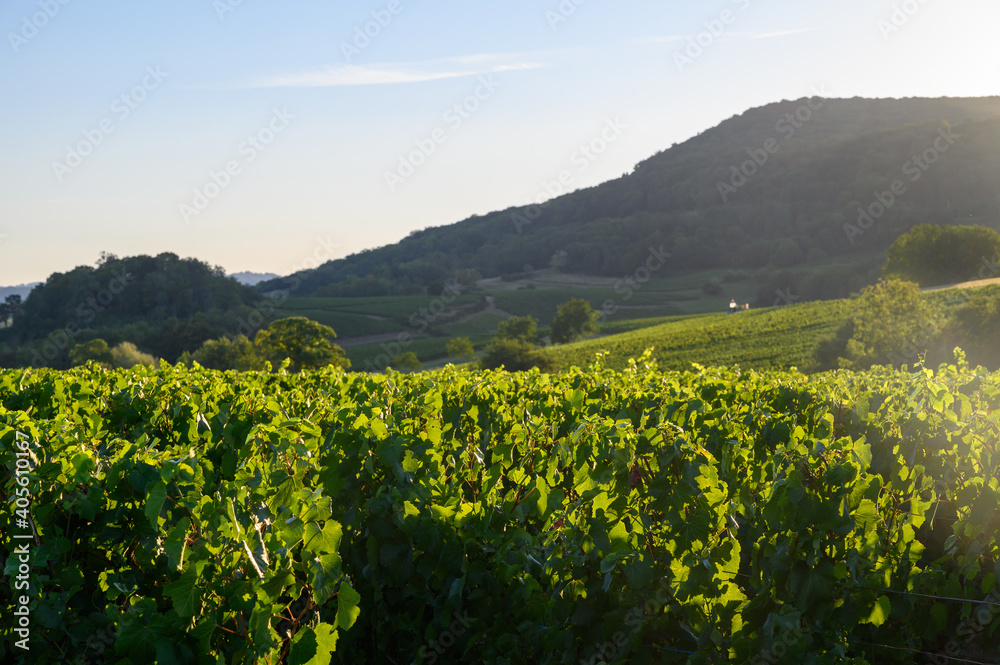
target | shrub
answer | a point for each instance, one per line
(520, 328)
(407, 362)
(305, 343)
(932, 255)
(237, 353)
(461, 347)
(891, 324)
(126, 355)
(575, 318)
(515, 355)
(96, 350)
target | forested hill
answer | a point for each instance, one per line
(164, 304)
(779, 185)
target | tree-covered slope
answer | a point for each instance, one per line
(779, 185)
(163, 303)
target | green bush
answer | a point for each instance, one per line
(407, 362)
(932, 255)
(892, 324)
(515, 355)
(522, 328)
(237, 353)
(461, 347)
(575, 318)
(305, 343)
(126, 355)
(96, 350)
(974, 327)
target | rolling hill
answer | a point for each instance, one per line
(786, 186)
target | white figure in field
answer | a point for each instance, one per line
(733, 306)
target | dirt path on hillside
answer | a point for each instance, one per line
(367, 340)
(491, 308)
(964, 285)
(547, 278)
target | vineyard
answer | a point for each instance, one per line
(625, 516)
(775, 338)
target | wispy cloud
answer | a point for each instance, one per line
(394, 73)
(783, 33)
(728, 35)
(665, 38)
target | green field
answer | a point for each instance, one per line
(648, 517)
(776, 338)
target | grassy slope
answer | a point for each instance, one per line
(776, 338)
(773, 338)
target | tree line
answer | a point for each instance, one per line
(163, 304)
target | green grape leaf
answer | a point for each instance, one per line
(185, 593)
(347, 606)
(880, 612)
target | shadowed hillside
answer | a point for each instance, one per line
(781, 185)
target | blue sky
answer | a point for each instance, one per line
(268, 136)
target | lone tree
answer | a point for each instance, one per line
(520, 328)
(307, 344)
(575, 318)
(461, 347)
(96, 350)
(407, 362)
(932, 255)
(126, 355)
(891, 324)
(976, 323)
(514, 355)
(237, 353)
